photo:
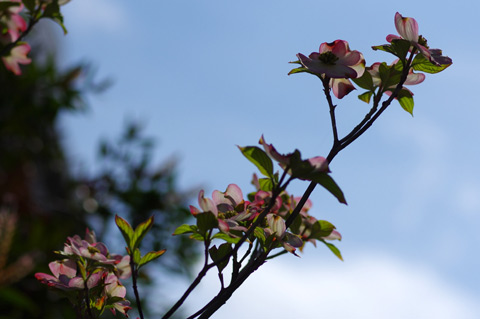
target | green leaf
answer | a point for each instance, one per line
(321, 228)
(301, 169)
(266, 184)
(385, 47)
(227, 238)
(365, 81)
(365, 97)
(401, 48)
(405, 99)
(125, 229)
(217, 254)
(197, 236)
(259, 158)
(150, 256)
(136, 256)
(140, 232)
(333, 249)
(421, 63)
(206, 221)
(390, 75)
(185, 229)
(260, 234)
(329, 184)
(296, 224)
(52, 11)
(298, 70)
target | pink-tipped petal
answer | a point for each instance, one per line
(18, 55)
(67, 267)
(334, 235)
(341, 87)
(206, 204)
(406, 27)
(272, 152)
(391, 37)
(234, 193)
(414, 78)
(319, 163)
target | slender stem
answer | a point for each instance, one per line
(194, 284)
(326, 90)
(338, 145)
(283, 252)
(87, 301)
(134, 284)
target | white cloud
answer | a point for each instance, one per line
(369, 285)
(93, 15)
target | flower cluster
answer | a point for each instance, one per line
(13, 25)
(88, 272)
(233, 216)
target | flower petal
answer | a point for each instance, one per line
(341, 87)
(406, 27)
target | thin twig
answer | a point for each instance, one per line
(134, 285)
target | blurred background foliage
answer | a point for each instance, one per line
(42, 201)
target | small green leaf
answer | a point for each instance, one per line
(421, 63)
(298, 70)
(206, 221)
(405, 99)
(150, 256)
(259, 158)
(321, 228)
(185, 229)
(390, 75)
(333, 249)
(260, 234)
(266, 184)
(365, 81)
(197, 236)
(385, 47)
(296, 224)
(365, 97)
(140, 232)
(401, 48)
(217, 254)
(329, 184)
(52, 11)
(136, 256)
(301, 169)
(125, 229)
(227, 238)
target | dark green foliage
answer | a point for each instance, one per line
(36, 184)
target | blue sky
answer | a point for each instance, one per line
(204, 76)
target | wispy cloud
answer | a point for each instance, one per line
(370, 285)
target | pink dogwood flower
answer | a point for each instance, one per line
(63, 272)
(18, 55)
(335, 61)
(114, 288)
(408, 30)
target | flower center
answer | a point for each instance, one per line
(328, 58)
(422, 41)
